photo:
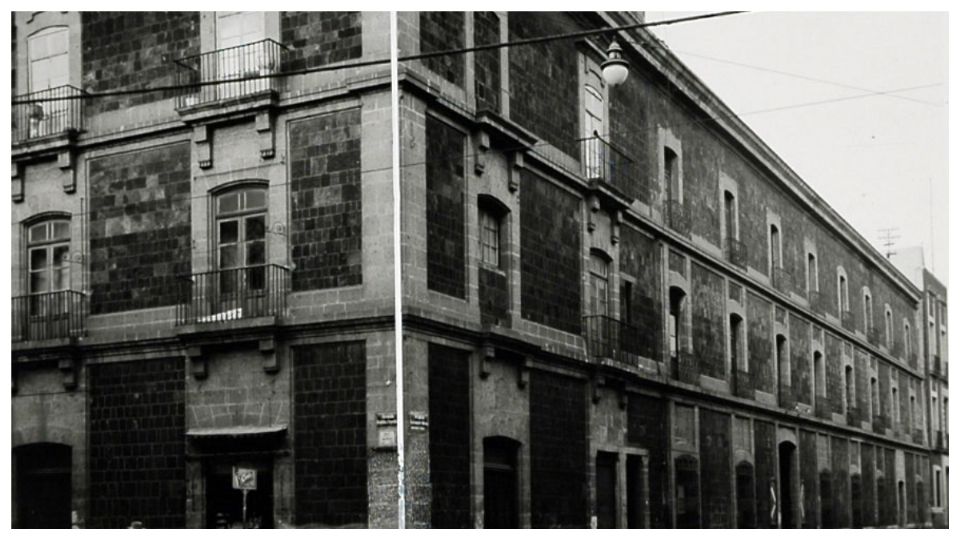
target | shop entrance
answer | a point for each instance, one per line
(42, 487)
(225, 503)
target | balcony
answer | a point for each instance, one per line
(880, 423)
(853, 416)
(607, 337)
(918, 436)
(785, 396)
(743, 384)
(941, 441)
(873, 336)
(683, 367)
(603, 162)
(230, 74)
(221, 296)
(846, 320)
(736, 252)
(782, 280)
(48, 316)
(822, 408)
(677, 217)
(38, 118)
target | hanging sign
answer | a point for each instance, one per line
(245, 479)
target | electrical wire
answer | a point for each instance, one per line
(380, 61)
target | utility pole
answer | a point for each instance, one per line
(888, 238)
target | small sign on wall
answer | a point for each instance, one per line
(386, 430)
(245, 479)
(418, 421)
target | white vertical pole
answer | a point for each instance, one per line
(398, 297)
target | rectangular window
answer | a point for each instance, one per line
(730, 215)
(813, 284)
(671, 177)
(599, 298)
(48, 51)
(489, 239)
(775, 262)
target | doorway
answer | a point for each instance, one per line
(500, 483)
(225, 504)
(787, 457)
(42, 486)
(636, 491)
(856, 501)
(606, 490)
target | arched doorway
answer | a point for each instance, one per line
(42, 486)
(501, 509)
(788, 456)
(746, 517)
(901, 504)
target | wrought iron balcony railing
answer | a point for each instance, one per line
(822, 408)
(853, 416)
(880, 423)
(918, 435)
(47, 112)
(846, 320)
(743, 384)
(782, 279)
(600, 160)
(683, 367)
(736, 252)
(873, 335)
(941, 441)
(230, 73)
(785, 396)
(677, 217)
(53, 315)
(607, 337)
(237, 293)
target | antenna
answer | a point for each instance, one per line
(888, 239)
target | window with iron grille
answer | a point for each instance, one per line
(241, 238)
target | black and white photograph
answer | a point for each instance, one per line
(478, 269)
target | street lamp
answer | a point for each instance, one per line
(614, 67)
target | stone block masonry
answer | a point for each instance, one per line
(715, 479)
(318, 38)
(326, 210)
(441, 31)
(330, 436)
(558, 451)
(137, 444)
(139, 228)
(446, 237)
(550, 257)
(449, 391)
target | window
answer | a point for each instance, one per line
(907, 341)
(895, 407)
(813, 284)
(783, 360)
(671, 176)
(241, 239)
(237, 56)
(843, 298)
(730, 215)
(775, 252)
(848, 384)
(819, 375)
(236, 28)
(888, 326)
(489, 238)
(599, 285)
(914, 413)
(49, 59)
(736, 342)
(48, 247)
(874, 397)
(675, 321)
(936, 481)
(867, 311)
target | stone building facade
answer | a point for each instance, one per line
(935, 350)
(622, 309)
(202, 274)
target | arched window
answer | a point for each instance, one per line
(241, 216)
(492, 214)
(599, 294)
(888, 325)
(675, 321)
(867, 312)
(843, 298)
(848, 383)
(737, 357)
(48, 51)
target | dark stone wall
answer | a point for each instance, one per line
(317, 38)
(544, 93)
(868, 468)
(889, 471)
(441, 31)
(326, 207)
(840, 464)
(446, 238)
(640, 258)
(494, 296)
(911, 486)
(861, 370)
(715, 479)
(809, 477)
(760, 346)
(486, 31)
(449, 397)
(647, 428)
(140, 237)
(630, 131)
(707, 303)
(133, 50)
(886, 407)
(558, 451)
(765, 454)
(549, 254)
(136, 431)
(330, 434)
(800, 359)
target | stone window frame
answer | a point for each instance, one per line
(810, 249)
(843, 291)
(774, 222)
(215, 217)
(888, 325)
(729, 185)
(494, 209)
(667, 141)
(48, 220)
(867, 307)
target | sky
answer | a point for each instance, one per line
(880, 160)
